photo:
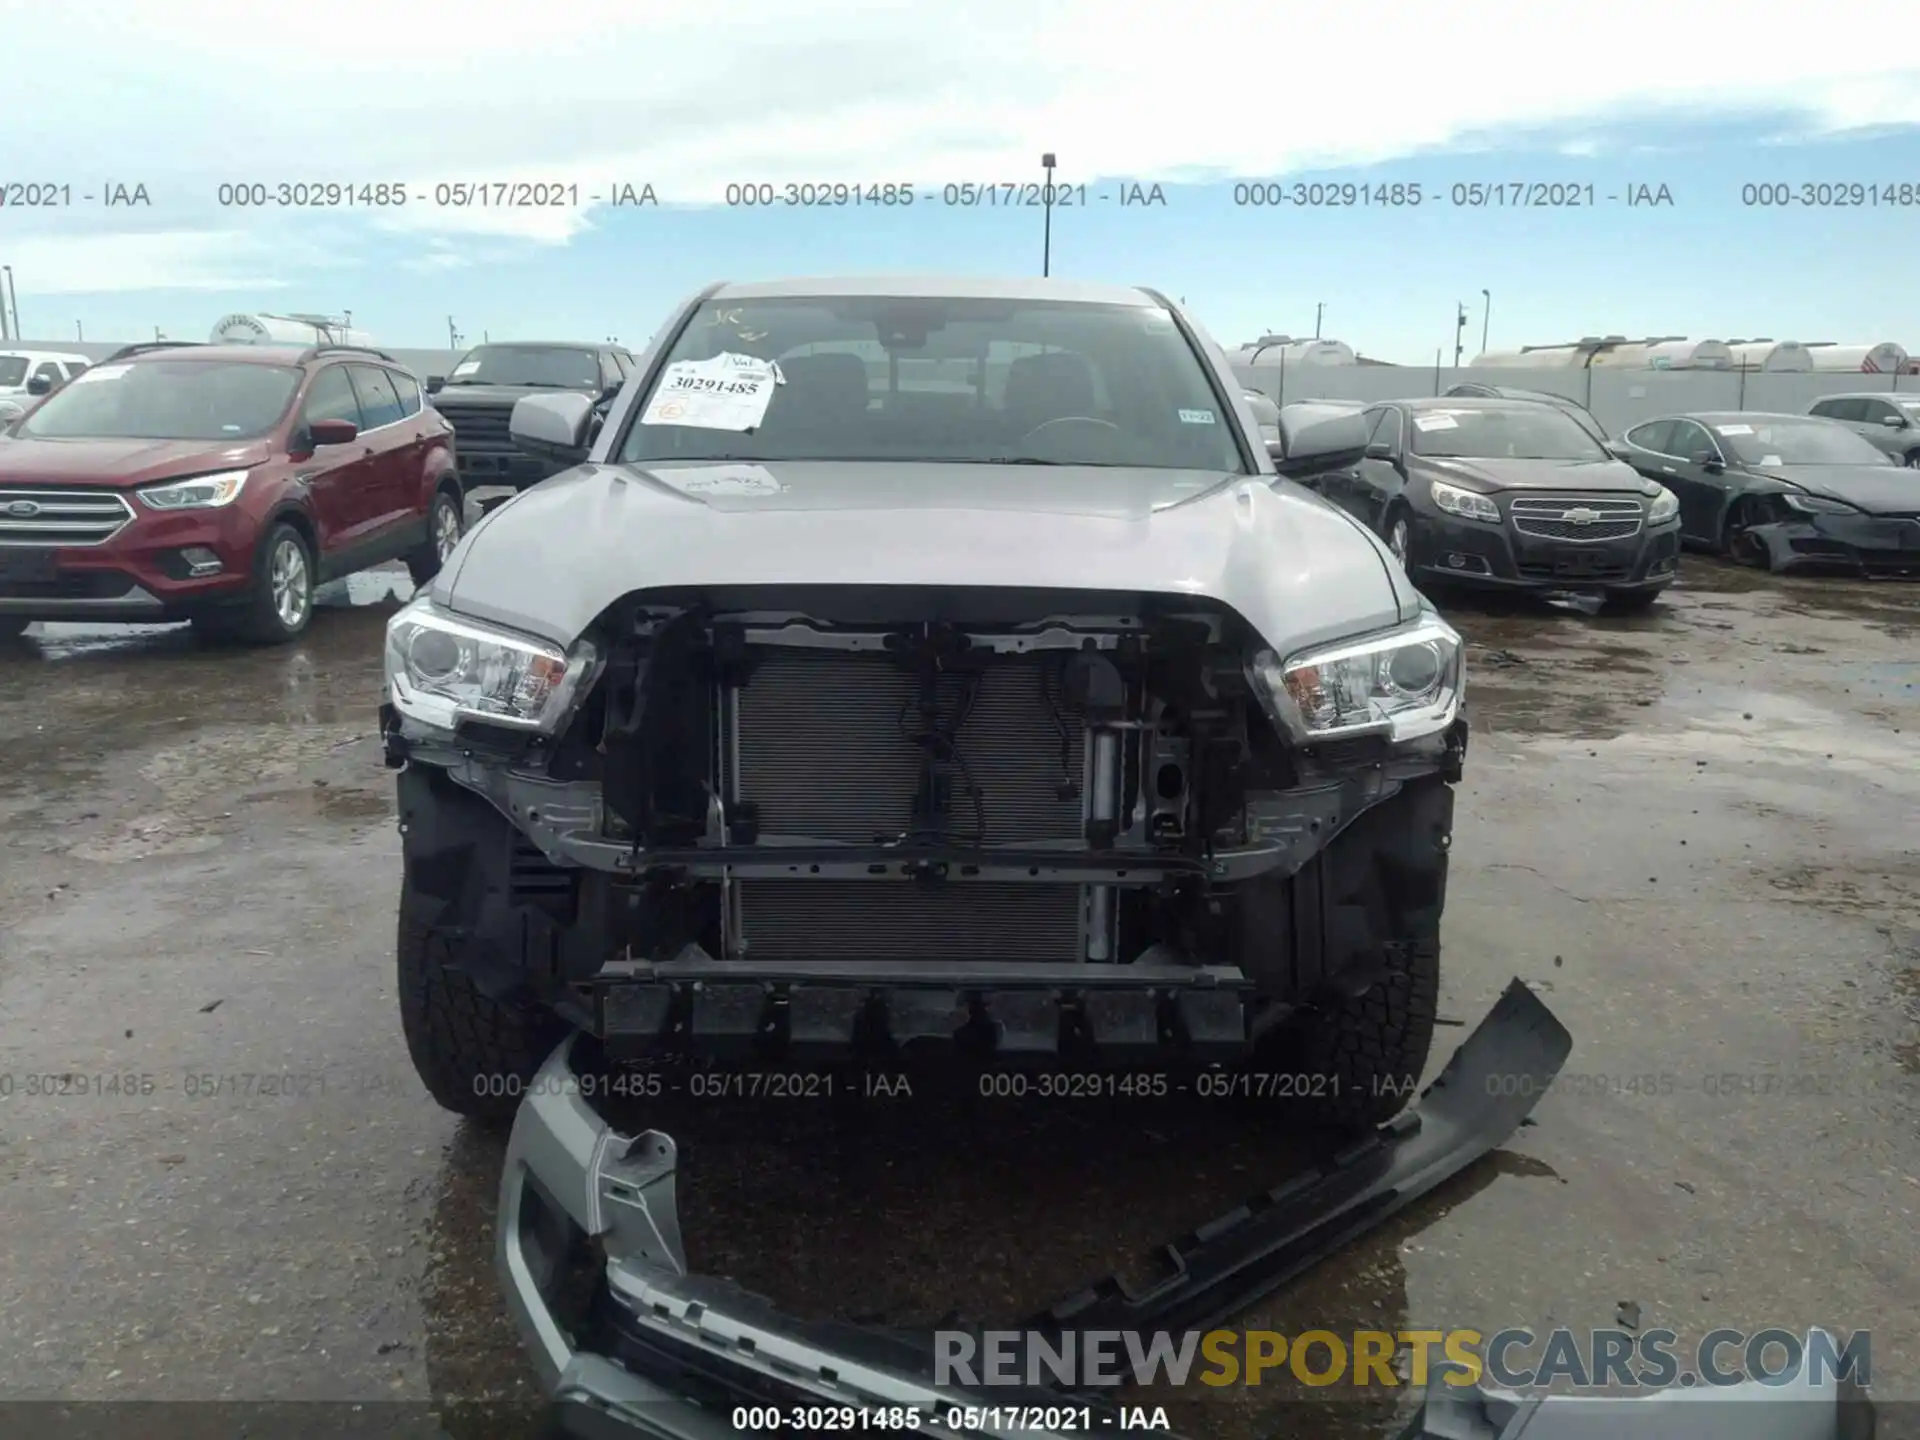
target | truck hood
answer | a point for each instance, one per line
(117, 463)
(1877, 489)
(1586, 476)
(1297, 569)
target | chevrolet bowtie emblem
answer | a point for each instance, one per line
(1581, 516)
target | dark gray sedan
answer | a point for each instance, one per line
(1788, 492)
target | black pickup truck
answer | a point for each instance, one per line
(477, 398)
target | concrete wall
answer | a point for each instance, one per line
(1618, 398)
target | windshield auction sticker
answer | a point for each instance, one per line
(728, 392)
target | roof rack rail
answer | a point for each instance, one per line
(126, 352)
(314, 352)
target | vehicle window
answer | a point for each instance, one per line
(378, 401)
(1839, 410)
(1690, 441)
(1875, 410)
(13, 370)
(75, 367)
(408, 389)
(49, 370)
(969, 380)
(610, 375)
(625, 362)
(167, 400)
(546, 367)
(332, 398)
(1500, 432)
(1796, 441)
(1651, 436)
(1386, 429)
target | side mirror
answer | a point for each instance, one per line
(1895, 422)
(435, 384)
(1712, 464)
(553, 427)
(39, 385)
(1276, 450)
(331, 432)
(1379, 450)
(1326, 445)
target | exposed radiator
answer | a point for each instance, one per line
(830, 920)
(824, 751)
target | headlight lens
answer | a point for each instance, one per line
(202, 492)
(441, 670)
(1467, 504)
(1817, 505)
(1665, 506)
(1407, 683)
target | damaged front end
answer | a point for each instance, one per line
(823, 824)
(645, 1346)
(1809, 533)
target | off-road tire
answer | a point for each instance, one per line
(475, 1054)
(424, 562)
(1359, 1059)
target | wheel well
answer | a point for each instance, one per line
(1913, 456)
(297, 520)
(449, 484)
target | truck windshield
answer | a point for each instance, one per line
(13, 370)
(1523, 431)
(539, 366)
(962, 380)
(166, 400)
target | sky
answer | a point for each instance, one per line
(1774, 154)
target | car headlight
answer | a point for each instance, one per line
(1665, 506)
(1818, 505)
(202, 492)
(1467, 504)
(1406, 684)
(441, 670)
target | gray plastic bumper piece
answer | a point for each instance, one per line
(1802, 1408)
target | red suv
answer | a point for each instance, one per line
(220, 484)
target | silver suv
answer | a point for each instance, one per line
(1889, 421)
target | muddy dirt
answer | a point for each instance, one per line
(1694, 832)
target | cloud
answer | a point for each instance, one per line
(155, 260)
(883, 90)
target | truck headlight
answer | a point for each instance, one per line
(1665, 506)
(1406, 683)
(202, 492)
(441, 670)
(1467, 504)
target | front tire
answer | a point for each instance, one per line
(475, 1054)
(279, 606)
(1739, 543)
(446, 523)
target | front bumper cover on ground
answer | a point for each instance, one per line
(683, 1348)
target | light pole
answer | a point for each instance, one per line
(1318, 310)
(1459, 332)
(1486, 317)
(6, 273)
(1046, 209)
(453, 335)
